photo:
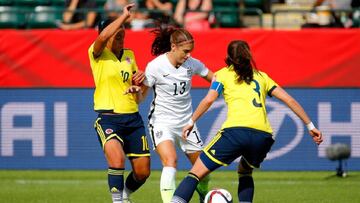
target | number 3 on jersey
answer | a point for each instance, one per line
(257, 90)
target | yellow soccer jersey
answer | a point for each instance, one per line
(246, 103)
(112, 78)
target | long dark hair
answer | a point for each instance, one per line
(240, 57)
(166, 35)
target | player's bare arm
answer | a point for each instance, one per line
(110, 30)
(282, 95)
(209, 76)
(204, 105)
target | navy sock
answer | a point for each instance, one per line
(186, 189)
(246, 188)
(133, 184)
(116, 180)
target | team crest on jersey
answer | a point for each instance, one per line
(189, 71)
(128, 60)
(109, 131)
(158, 134)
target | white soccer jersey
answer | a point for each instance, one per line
(172, 100)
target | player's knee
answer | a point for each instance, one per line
(142, 175)
(244, 168)
(117, 162)
(170, 161)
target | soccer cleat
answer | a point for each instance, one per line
(127, 200)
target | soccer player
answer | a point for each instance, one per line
(170, 74)
(119, 125)
(246, 131)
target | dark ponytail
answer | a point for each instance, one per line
(239, 56)
(161, 43)
(165, 36)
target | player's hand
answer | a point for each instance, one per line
(138, 78)
(316, 136)
(133, 89)
(186, 130)
(127, 8)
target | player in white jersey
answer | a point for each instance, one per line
(170, 77)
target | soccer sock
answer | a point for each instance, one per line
(186, 189)
(167, 183)
(131, 185)
(203, 187)
(116, 183)
(246, 188)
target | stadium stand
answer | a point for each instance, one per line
(28, 14)
(227, 13)
(12, 17)
(44, 17)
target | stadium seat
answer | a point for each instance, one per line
(12, 17)
(44, 17)
(31, 3)
(227, 13)
(6, 2)
(100, 3)
(264, 5)
(58, 3)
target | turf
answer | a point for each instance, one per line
(91, 186)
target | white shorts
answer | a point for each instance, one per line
(160, 133)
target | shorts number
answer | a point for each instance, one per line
(257, 90)
(144, 143)
(197, 137)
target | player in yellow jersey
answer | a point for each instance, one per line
(246, 131)
(119, 125)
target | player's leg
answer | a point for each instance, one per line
(246, 182)
(259, 144)
(114, 154)
(203, 187)
(137, 177)
(192, 147)
(163, 142)
(167, 153)
(116, 160)
(137, 149)
(207, 161)
(188, 185)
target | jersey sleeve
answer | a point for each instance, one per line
(150, 76)
(134, 66)
(217, 83)
(270, 84)
(91, 55)
(200, 68)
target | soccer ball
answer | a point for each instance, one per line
(218, 196)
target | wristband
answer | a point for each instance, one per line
(310, 126)
(191, 122)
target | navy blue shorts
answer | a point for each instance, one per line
(230, 143)
(127, 128)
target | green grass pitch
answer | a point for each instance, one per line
(18, 186)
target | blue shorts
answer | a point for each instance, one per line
(127, 128)
(231, 143)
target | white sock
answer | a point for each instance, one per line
(167, 183)
(116, 197)
(126, 193)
